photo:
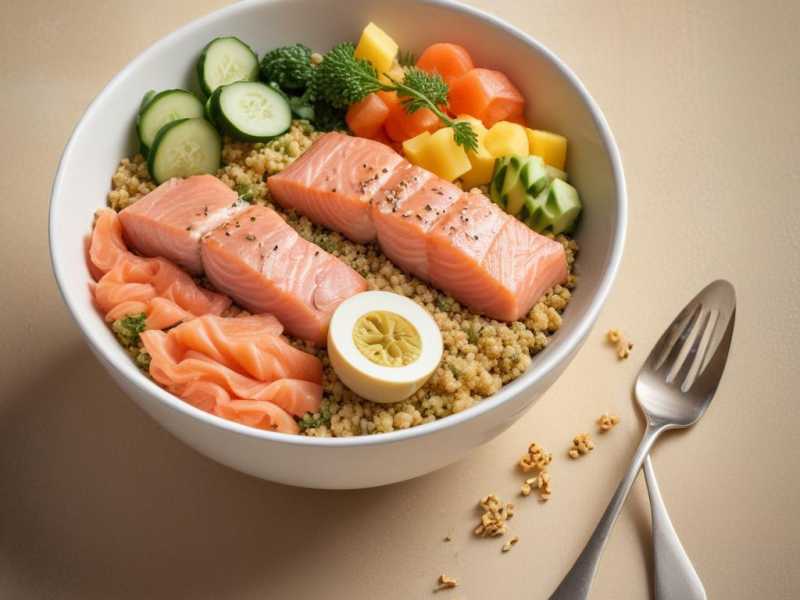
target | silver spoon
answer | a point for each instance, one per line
(674, 388)
(675, 577)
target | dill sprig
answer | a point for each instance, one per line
(342, 80)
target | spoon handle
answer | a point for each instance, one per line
(675, 577)
(577, 582)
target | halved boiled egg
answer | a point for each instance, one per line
(383, 346)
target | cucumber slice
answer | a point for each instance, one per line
(148, 95)
(225, 60)
(564, 204)
(183, 148)
(207, 111)
(554, 173)
(163, 108)
(251, 111)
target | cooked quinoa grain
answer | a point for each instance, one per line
(480, 354)
(607, 422)
(622, 345)
(582, 444)
(445, 582)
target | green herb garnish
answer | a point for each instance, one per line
(245, 193)
(128, 328)
(342, 80)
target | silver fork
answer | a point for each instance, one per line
(674, 388)
(675, 577)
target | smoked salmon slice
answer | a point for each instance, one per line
(263, 263)
(174, 366)
(333, 181)
(214, 399)
(169, 221)
(106, 246)
(129, 284)
(251, 345)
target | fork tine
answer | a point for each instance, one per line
(684, 355)
(686, 374)
(666, 343)
(674, 339)
(709, 377)
(705, 353)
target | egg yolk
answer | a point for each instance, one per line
(387, 339)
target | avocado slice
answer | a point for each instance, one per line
(564, 204)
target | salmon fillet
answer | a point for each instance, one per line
(333, 182)
(263, 263)
(461, 243)
(457, 246)
(522, 266)
(405, 213)
(169, 221)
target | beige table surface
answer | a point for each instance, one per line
(96, 501)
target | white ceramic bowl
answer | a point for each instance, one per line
(556, 99)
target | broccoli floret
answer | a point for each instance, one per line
(328, 118)
(289, 66)
(128, 328)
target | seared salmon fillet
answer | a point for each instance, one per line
(260, 261)
(405, 213)
(169, 221)
(333, 182)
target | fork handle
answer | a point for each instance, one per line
(675, 577)
(576, 584)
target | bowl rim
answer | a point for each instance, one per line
(546, 361)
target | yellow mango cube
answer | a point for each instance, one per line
(477, 125)
(444, 157)
(505, 138)
(481, 159)
(550, 146)
(377, 47)
(482, 163)
(416, 149)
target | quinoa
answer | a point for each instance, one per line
(480, 354)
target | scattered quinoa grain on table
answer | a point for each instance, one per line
(621, 343)
(445, 582)
(494, 518)
(480, 354)
(536, 460)
(509, 544)
(607, 422)
(582, 444)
